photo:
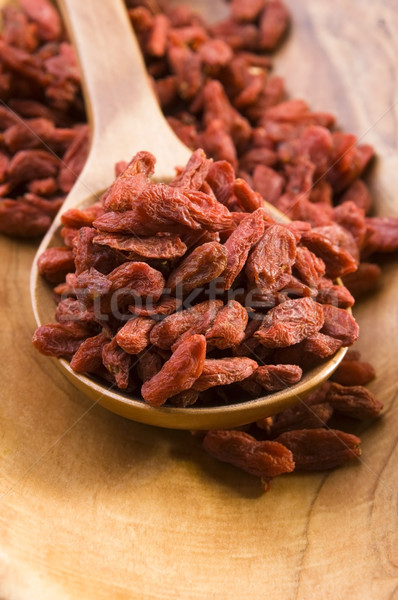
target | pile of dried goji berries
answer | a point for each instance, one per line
(43, 135)
(215, 86)
(165, 275)
(164, 291)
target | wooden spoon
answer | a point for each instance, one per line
(125, 119)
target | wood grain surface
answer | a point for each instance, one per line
(93, 506)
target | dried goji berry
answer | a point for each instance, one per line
(273, 24)
(89, 255)
(268, 183)
(54, 263)
(74, 159)
(137, 279)
(186, 65)
(277, 377)
(338, 260)
(354, 401)
(32, 164)
(359, 194)
(184, 399)
(321, 345)
(221, 178)
(214, 55)
(309, 267)
(43, 187)
(159, 247)
(17, 30)
(197, 319)
(320, 449)
(217, 107)
(82, 217)
(383, 235)
(295, 287)
(351, 217)
(337, 295)
(300, 416)
(204, 264)
(237, 35)
(117, 362)
(246, 10)
(265, 459)
(248, 199)
(269, 265)
(178, 373)
(148, 365)
(60, 339)
(339, 324)
(223, 371)
(290, 323)
(88, 357)
(364, 280)
(353, 372)
(133, 337)
(69, 310)
(194, 173)
(239, 243)
(229, 326)
(45, 16)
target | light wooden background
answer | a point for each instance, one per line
(96, 507)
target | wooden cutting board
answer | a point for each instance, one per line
(93, 506)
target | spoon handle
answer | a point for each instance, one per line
(122, 108)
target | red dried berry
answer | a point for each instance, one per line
(290, 323)
(320, 449)
(265, 459)
(178, 373)
(269, 265)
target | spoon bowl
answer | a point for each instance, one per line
(126, 118)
